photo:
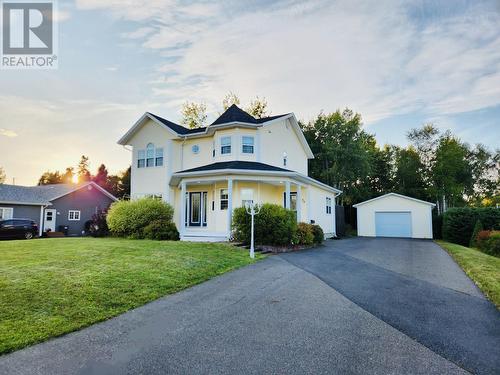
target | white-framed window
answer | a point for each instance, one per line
(195, 149)
(74, 215)
(141, 159)
(6, 213)
(150, 157)
(159, 157)
(293, 200)
(247, 144)
(224, 199)
(225, 145)
(328, 205)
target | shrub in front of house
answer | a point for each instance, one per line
(488, 241)
(161, 230)
(274, 225)
(305, 234)
(318, 233)
(458, 223)
(478, 227)
(98, 227)
(129, 218)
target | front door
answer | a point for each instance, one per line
(197, 210)
(49, 221)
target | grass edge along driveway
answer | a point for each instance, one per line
(482, 268)
(49, 287)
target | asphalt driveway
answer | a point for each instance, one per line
(342, 308)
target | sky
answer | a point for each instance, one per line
(400, 64)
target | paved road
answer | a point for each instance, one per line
(281, 315)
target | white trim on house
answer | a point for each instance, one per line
(76, 215)
(396, 195)
(222, 172)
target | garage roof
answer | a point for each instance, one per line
(396, 195)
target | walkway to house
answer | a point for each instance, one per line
(353, 306)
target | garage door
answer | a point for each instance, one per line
(393, 224)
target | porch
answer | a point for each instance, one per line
(208, 203)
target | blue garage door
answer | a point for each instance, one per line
(393, 224)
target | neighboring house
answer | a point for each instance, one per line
(209, 171)
(395, 215)
(52, 206)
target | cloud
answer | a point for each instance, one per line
(381, 61)
(8, 133)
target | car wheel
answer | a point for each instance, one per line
(28, 235)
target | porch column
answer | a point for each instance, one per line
(299, 203)
(182, 225)
(229, 205)
(287, 194)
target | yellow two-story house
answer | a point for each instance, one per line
(205, 173)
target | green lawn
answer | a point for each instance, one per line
(49, 287)
(484, 269)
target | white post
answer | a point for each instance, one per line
(252, 249)
(252, 210)
(183, 208)
(40, 227)
(229, 205)
(299, 203)
(287, 194)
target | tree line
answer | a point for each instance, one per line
(118, 185)
(436, 166)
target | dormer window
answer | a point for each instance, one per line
(247, 145)
(225, 145)
(150, 157)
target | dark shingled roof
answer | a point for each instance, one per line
(177, 128)
(242, 165)
(236, 114)
(232, 114)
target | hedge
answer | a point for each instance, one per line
(488, 241)
(274, 225)
(458, 223)
(129, 218)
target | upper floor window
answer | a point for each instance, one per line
(150, 157)
(225, 145)
(159, 157)
(247, 145)
(328, 205)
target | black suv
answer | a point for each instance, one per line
(18, 228)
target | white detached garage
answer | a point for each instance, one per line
(395, 215)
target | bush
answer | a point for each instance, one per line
(477, 228)
(319, 235)
(161, 230)
(98, 227)
(129, 218)
(274, 225)
(488, 241)
(305, 234)
(458, 223)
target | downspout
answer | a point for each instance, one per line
(40, 227)
(335, 214)
(182, 153)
